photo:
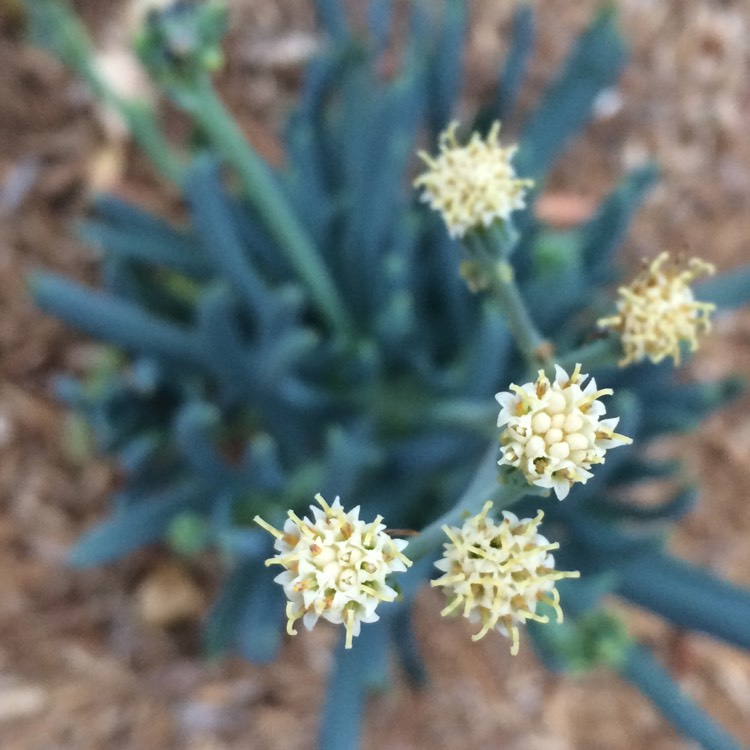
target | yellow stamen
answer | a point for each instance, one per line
(292, 616)
(323, 504)
(452, 607)
(267, 526)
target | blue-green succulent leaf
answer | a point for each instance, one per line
(259, 627)
(639, 469)
(582, 595)
(348, 454)
(195, 428)
(670, 510)
(594, 64)
(406, 647)
(683, 406)
(118, 212)
(375, 676)
(487, 364)
(516, 62)
(642, 669)
(307, 175)
(137, 453)
(343, 709)
(387, 134)
(163, 246)
(379, 16)
(222, 341)
(606, 231)
(444, 71)
(688, 596)
(220, 629)
(138, 524)
(332, 18)
(595, 542)
(212, 219)
(110, 319)
(726, 290)
(263, 463)
(69, 390)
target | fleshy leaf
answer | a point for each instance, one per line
(727, 290)
(516, 63)
(137, 525)
(594, 64)
(642, 669)
(688, 596)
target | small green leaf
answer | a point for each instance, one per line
(593, 640)
(188, 534)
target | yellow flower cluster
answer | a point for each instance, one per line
(335, 566)
(554, 432)
(471, 185)
(658, 312)
(497, 573)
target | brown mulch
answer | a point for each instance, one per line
(80, 669)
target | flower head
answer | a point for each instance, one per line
(658, 311)
(553, 431)
(335, 566)
(498, 573)
(471, 185)
(180, 42)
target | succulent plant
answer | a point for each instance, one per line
(306, 330)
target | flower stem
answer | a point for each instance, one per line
(53, 26)
(483, 486)
(141, 122)
(476, 415)
(601, 353)
(263, 192)
(490, 252)
(531, 343)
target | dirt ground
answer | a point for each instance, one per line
(83, 664)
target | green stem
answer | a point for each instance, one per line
(60, 32)
(601, 353)
(484, 486)
(477, 416)
(490, 250)
(529, 340)
(140, 120)
(262, 191)
(406, 412)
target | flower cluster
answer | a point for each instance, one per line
(553, 431)
(658, 312)
(335, 566)
(497, 573)
(471, 185)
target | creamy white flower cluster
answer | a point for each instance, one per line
(335, 566)
(497, 573)
(658, 311)
(553, 431)
(471, 185)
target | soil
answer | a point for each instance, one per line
(84, 662)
